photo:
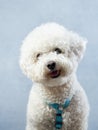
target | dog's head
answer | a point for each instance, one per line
(50, 54)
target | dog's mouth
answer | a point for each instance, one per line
(55, 73)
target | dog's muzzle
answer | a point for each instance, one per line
(51, 65)
(53, 72)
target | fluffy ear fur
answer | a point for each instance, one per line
(78, 45)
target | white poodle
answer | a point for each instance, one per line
(49, 57)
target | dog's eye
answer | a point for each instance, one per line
(58, 51)
(38, 55)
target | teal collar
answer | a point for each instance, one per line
(59, 111)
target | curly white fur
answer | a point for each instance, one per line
(37, 51)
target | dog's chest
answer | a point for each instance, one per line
(46, 116)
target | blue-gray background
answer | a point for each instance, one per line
(17, 19)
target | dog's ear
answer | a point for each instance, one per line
(24, 61)
(78, 46)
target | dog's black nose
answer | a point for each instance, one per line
(51, 65)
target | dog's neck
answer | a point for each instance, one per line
(58, 93)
